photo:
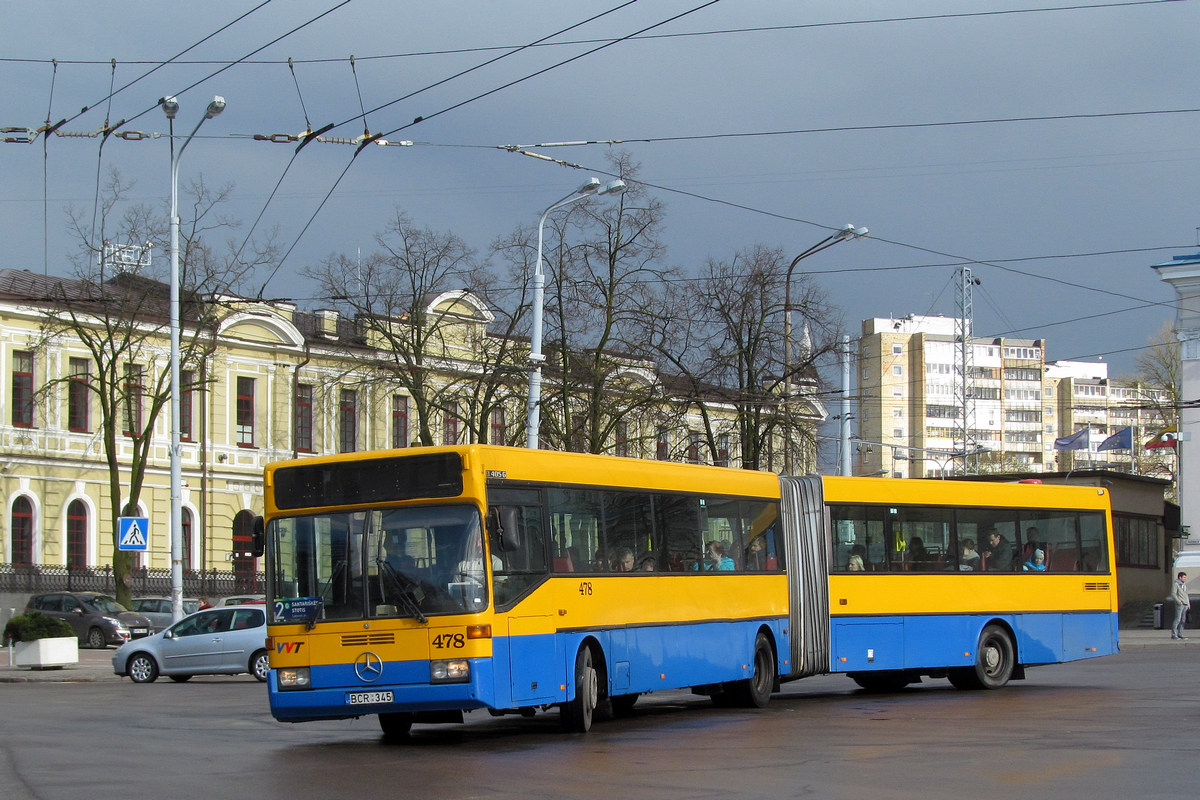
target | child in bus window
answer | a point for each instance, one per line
(1033, 541)
(1036, 562)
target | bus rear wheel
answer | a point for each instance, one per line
(577, 712)
(755, 691)
(995, 661)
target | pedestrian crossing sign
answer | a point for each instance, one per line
(134, 533)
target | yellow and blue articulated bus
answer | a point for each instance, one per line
(421, 583)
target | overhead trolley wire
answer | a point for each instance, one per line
(369, 139)
(491, 61)
(651, 37)
(112, 93)
(231, 64)
(584, 54)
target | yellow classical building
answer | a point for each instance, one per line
(262, 381)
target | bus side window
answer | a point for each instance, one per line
(628, 528)
(576, 535)
(680, 534)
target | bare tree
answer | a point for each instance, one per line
(604, 261)
(493, 384)
(389, 295)
(722, 335)
(117, 308)
(1159, 367)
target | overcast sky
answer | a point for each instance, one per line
(1054, 151)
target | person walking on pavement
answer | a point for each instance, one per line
(1179, 594)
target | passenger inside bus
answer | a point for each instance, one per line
(968, 559)
(1033, 541)
(855, 563)
(1036, 562)
(997, 553)
(918, 556)
(756, 554)
(715, 558)
(623, 560)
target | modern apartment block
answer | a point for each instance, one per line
(915, 391)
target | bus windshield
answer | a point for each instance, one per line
(396, 562)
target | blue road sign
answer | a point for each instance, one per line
(135, 533)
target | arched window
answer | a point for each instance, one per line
(77, 530)
(243, 543)
(22, 532)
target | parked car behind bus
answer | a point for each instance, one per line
(97, 619)
(158, 609)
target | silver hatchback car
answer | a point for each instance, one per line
(216, 641)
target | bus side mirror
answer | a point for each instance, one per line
(507, 531)
(258, 538)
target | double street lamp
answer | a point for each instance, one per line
(170, 107)
(845, 233)
(536, 358)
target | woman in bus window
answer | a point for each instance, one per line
(968, 560)
(715, 557)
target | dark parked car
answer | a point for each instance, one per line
(216, 641)
(158, 609)
(97, 619)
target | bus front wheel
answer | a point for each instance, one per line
(577, 712)
(395, 725)
(622, 704)
(995, 661)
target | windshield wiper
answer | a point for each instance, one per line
(327, 589)
(406, 590)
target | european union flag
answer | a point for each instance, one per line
(1121, 440)
(1076, 441)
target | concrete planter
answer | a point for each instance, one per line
(46, 653)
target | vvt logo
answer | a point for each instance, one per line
(288, 647)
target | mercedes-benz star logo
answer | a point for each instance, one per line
(368, 667)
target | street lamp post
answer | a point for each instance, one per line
(847, 231)
(170, 107)
(536, 358)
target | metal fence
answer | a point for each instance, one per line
(209, 583)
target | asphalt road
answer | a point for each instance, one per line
(1124, 726)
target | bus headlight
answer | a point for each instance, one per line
(293, 678)
(456, 671)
